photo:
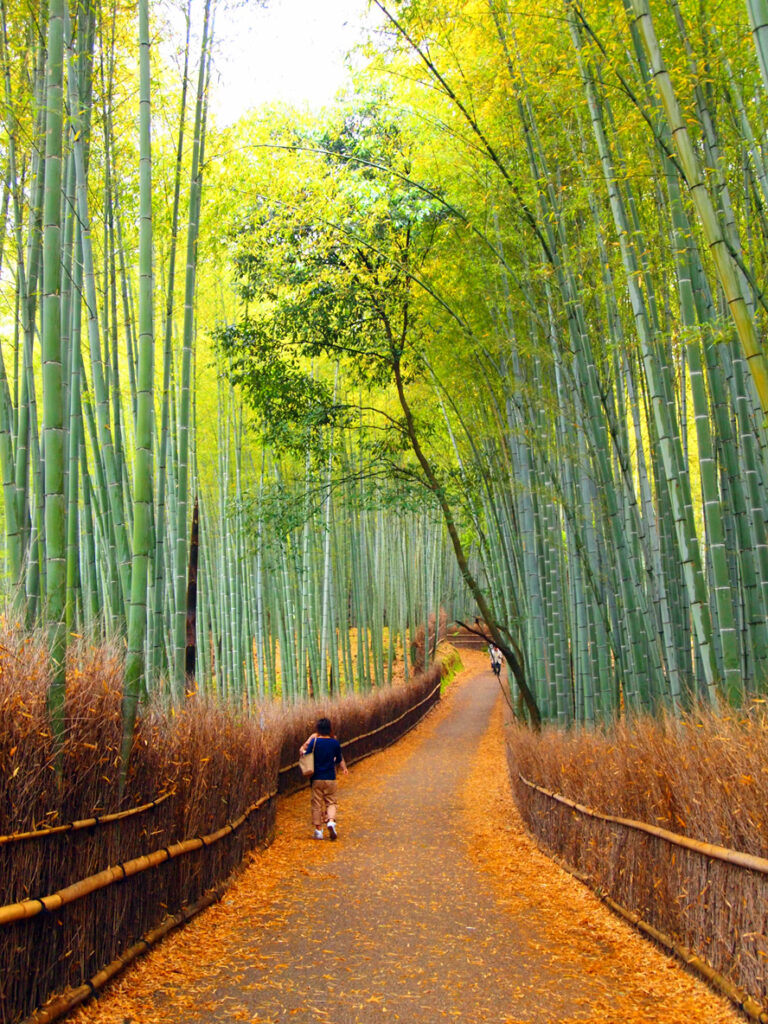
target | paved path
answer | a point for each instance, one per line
(400, 924)
(398, 920)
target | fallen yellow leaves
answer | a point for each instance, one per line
(639, 983)
(517, 929)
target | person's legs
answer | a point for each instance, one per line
(318, 807)
(331, 789)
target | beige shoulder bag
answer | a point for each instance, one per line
(307, 760)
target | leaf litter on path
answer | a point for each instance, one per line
(639, 982)
(237, 961)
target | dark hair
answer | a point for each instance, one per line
(324, 727)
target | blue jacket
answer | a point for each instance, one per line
(327, 755)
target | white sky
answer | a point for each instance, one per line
(290, 50)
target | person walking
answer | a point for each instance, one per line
(328, 755)
(496, 659)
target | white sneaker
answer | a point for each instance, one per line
(319, 833)
(331, 830)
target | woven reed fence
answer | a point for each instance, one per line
(707, 903)
(84, 898)
(48, 944)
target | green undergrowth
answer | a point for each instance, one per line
(452, 664)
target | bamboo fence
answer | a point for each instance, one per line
(704, 902)
(89, 823)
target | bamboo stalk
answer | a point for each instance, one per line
(143, 455)
(54, 426)
(182, 463)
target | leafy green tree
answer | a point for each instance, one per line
(342, 277)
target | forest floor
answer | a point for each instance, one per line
(433, 905)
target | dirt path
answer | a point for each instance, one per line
(432, 905)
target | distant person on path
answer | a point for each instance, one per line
(496, 659)
(327, 750)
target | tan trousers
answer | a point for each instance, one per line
(323, 801)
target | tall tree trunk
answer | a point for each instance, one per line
(505, 644)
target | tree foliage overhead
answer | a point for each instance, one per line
(582, 303)
(335, 276)
(520, 264)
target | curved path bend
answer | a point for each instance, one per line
(433, 905)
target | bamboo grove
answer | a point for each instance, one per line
(104, 146)
(485, 336)
(85, 506)
(323, 589)
(621, 231)
(566, 205)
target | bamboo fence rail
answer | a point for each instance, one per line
(76, 826)
(69, 1000)
(388, 725)
(751, 1007)
(118, 872)
(742, 860)
(706, 904)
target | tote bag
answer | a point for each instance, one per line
(307, 762)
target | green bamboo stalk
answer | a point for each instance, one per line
(104, 448)
(142, 533)
(53, 412)
(75, 442)
(182, 464)
(160, 513)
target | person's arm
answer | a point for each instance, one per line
(303, 747)
(339, 759)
